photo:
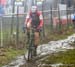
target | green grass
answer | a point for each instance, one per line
(9, 55)
(54, 36)
(67, 57)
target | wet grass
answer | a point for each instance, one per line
(7, 55)
(67, 58)
(56, 35)
(10, 54)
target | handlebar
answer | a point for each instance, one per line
(32, 28)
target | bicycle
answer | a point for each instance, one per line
(31, 46)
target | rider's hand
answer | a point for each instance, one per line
(39, 28)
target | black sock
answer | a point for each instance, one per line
(35, 52)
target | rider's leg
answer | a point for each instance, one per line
(28, 35)
(36, 41)
(37, 38)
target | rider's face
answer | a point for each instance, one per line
(33, 10)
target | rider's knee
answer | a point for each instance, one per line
(37, 34)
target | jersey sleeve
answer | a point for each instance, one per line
(41, 19)
(27, 19)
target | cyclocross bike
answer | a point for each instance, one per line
(31, 46)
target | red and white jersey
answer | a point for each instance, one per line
(28, 18)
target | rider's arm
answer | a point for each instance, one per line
(41, 20)
(28, 20)
(25, 23)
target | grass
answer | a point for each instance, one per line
(8, 55)
(54, 36)
(67, 57)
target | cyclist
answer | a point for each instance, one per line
(34, 18)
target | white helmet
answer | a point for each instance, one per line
(33, 9)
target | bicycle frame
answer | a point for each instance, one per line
(31, 44)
